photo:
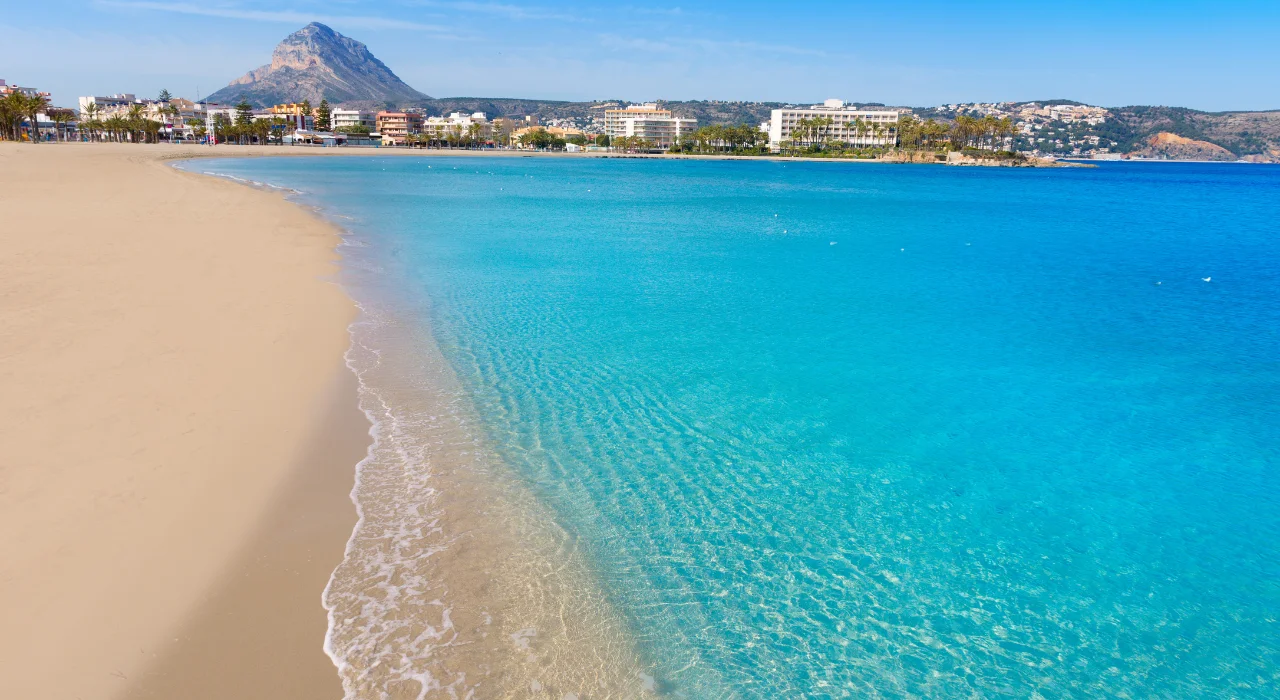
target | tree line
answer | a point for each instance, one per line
(17, 107)
(716, 138)
(823, 136)
(981, 133)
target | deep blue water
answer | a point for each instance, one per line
(857, 430)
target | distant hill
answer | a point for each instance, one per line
(1175, 147)
(1149, 132)
(317, 63)
(1241, 133)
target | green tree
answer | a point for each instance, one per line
(61, 118)
(221, 125)
(32, 106)
(114, 127)
(164, 96)
(323, 116)
(602, 140)
(12, 109)
(244, 113)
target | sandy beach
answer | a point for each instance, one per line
(178, 430)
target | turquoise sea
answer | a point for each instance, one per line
(851, 430)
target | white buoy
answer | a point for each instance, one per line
(1206, 279)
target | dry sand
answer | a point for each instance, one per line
(178, 430)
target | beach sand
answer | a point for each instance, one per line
(178, 430)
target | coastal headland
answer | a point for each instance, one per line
(179, 430)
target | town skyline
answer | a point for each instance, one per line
(708, 51)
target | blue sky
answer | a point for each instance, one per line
(1207, 55)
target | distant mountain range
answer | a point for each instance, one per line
(316, 63)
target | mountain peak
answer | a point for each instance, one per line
(316, 63)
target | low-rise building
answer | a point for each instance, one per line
(7, 89)
(459, 125)
(107, 105)
(395, 127)
(657, 126)
(346, 118)
(291, 108)
(562, 132)
(855, 127)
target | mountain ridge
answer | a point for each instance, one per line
(316, 63)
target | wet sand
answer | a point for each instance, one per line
(178, 430)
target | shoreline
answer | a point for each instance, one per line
(237, 151)
(180, 429)
(455, 576)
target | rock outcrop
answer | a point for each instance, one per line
(1174, 147)
(316, 63)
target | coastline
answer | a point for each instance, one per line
(234, 151)
(180, 429)
(455, 578)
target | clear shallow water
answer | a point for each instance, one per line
(850, 430)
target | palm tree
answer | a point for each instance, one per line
(114, 126)
(91, 112)
(859, 129)
(11, 116)
(60, 118)
(91, 130)
(32, 106)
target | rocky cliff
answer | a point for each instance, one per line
(317, 63)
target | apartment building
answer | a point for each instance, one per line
(855, 127)
(458, 123)
(106, 105)
(6, 89)
(352, 117)
(647, 122)
(564, 132)
(395, 127)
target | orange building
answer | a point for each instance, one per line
(395, 127)
(294, 109)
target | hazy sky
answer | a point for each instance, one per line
(1209, 55)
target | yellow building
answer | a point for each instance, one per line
(293, 109)
(562, 132)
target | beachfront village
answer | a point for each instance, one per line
(831, 129)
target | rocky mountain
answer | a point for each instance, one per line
(1175, 147)
(317, 63)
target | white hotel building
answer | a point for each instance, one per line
(648, 122)
(340, 118)
(881, 126)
